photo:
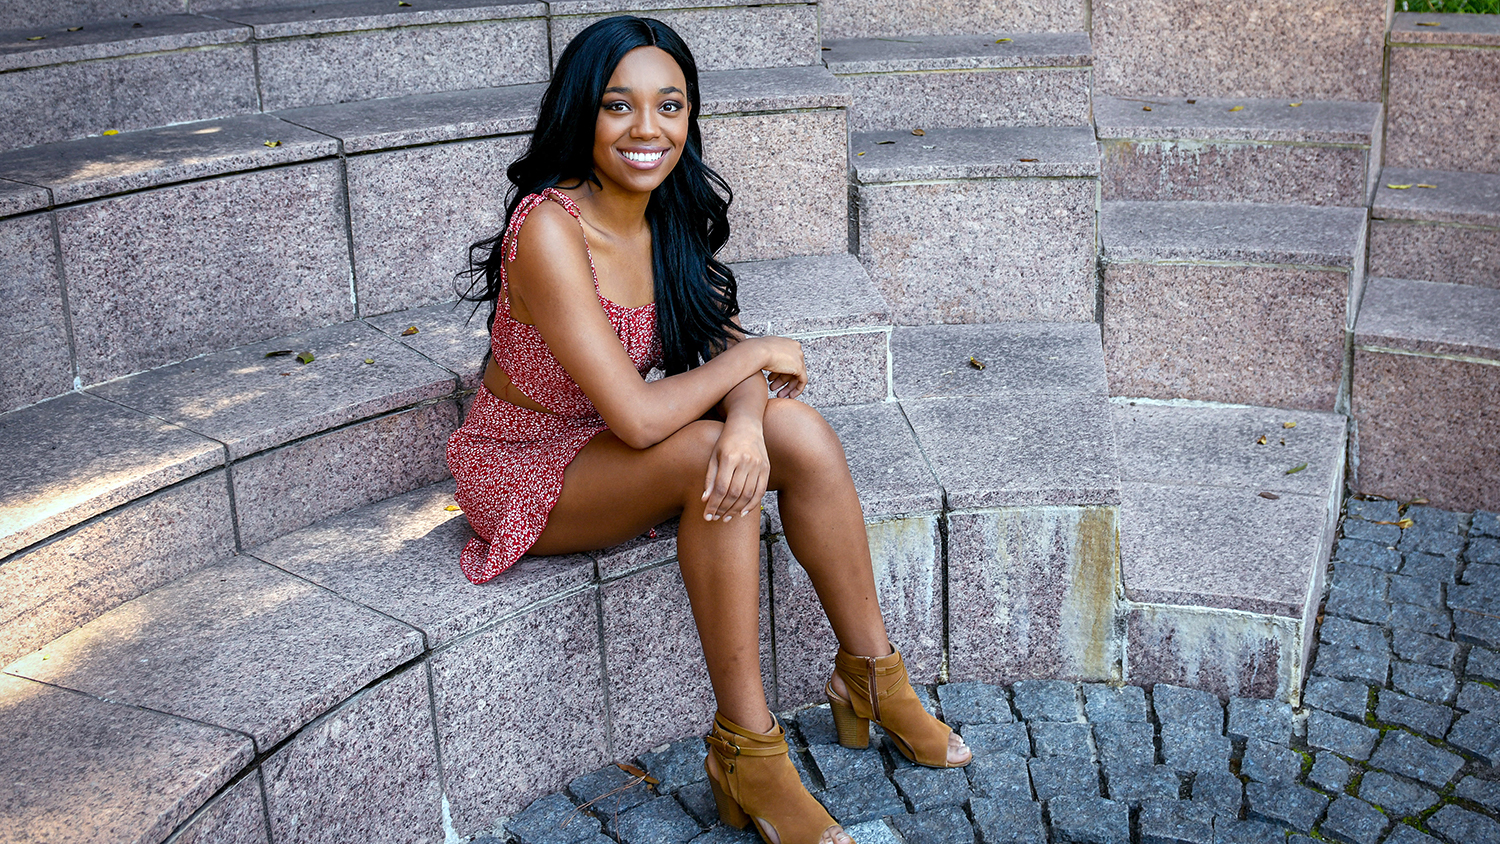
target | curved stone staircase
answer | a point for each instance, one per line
(1056, 277)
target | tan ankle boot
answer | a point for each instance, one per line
(879, 691)
(757, 781)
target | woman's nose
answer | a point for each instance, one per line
(645, 125)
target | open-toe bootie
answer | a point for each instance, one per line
(756, 782)
(879, 691)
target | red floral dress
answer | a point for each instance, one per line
(509, 460)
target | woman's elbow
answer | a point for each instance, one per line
(637, 433)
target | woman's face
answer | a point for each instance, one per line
(643, 121)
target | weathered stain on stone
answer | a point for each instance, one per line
(1090, 605)
(1233, 654)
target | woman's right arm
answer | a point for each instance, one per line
(551, 276)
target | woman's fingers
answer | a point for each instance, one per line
(708, 484)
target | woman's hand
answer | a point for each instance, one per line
(784, 363)
(738, 471)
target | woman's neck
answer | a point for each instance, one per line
(612, 211)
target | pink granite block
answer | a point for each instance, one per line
(1437, 95)
(1016, 249)
(1228, 548)
(72, 12)
(808, 295)
(78, 455)
(1444, 196)
(1259, 335)
(862, 18)
(236, 816)
(1427, 317)
(238, 644)
(658, 683)
(34, 323)
(933, 361)
(791, 197)
(260, 396)
(17, 197)
(415, 212)
(423, 118)
(1034, 592)
(1427, 427)
(364, 15)
(57, 102)
(363, 65)
(99, 166)
(1452, 29)
(78, 769)
(1006, 152)
(1234, 172)
(729, 92)
(53, 588)
(1435, 251)
(520, 710)
(451, 334)
(1229, 654)
(966, 98)
(399, 556)
(946, 51)
(907, 559)
(362, 772)
(846, 368)
(279, 491)
(163, 275)
(722, 37)
(657, 545)
(1328, 50)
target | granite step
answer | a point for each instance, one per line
(1324, 50)
(722, 34)
(1224, 541)
(979, 225)
(389, 193)
(1427, 370)
(1436, 225)
(957, 81)
(1236, 303)
(1444, 84)
(1288, 152)
(900, 18)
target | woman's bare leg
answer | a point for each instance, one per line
(825, 530)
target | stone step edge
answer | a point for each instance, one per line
(1408, 29)
(295, 136)
(1002, 152)
(1243, 120)
(938, 53)
(1408, 194)
(1430, 319)
(1174, 243)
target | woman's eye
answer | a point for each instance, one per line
(671, 106)
(616, 106)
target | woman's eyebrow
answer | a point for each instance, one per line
(618, 89)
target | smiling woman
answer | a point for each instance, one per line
(604, 271)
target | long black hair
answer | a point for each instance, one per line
(696, 295)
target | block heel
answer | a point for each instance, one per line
(730, 813)
(854, 731)
(879, 691)
(757, 784)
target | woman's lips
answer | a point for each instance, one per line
(643, 159)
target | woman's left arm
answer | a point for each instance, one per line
(739, 469)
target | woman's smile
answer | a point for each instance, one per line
(644, 159)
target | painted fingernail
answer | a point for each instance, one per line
(729, 517)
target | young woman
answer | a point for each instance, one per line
(604, 271)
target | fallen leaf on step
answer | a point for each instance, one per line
(1403, 523)
(1427, 186)
(1428, 23)
(403, 3)
(858, 154)
(1001, 40)
(37, 38)
(976, 363)
(1238, 108)
(1192, 102)
(110, 132)
(369, 360)
(135, 26)
(929, 146)
(1289, 424)
(1398, 187)
(637, 772)
(1262, 440)
(918, 132)
(1145, 108)
(883, 143)
(1295, 469)
(280, 353)
(74, 28)
(1269, 495)
(452, 508)
(1294, 105)
(1028, 160)
(306, 357)
(409, 332)
(273, 143)
(1417, 501)
(827, 49)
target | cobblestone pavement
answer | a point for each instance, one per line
(1397, 740)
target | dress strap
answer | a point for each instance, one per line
(513, 231)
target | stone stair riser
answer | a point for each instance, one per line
(1032, 257)
(1228, 653)
(55, 103)
(1327, 50)
(236, 814)
(1448, 405)
(867, 19)
(1236, 172)
(790, 189)
(1457, 254)
(907, 555)
(847, 368)
(724, 38)
(969, 98)
(58, 585)
(19, 13)
(36, 320)
(1034, 592)
(1438, 96)
(1259, 335)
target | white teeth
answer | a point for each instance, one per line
(644, 157)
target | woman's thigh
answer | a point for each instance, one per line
(612, 492)
(801, 444)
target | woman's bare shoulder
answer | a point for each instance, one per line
(550, 249)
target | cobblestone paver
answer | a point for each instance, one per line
(1395, 743)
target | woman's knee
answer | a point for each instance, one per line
(691, 447)
(797, 432)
